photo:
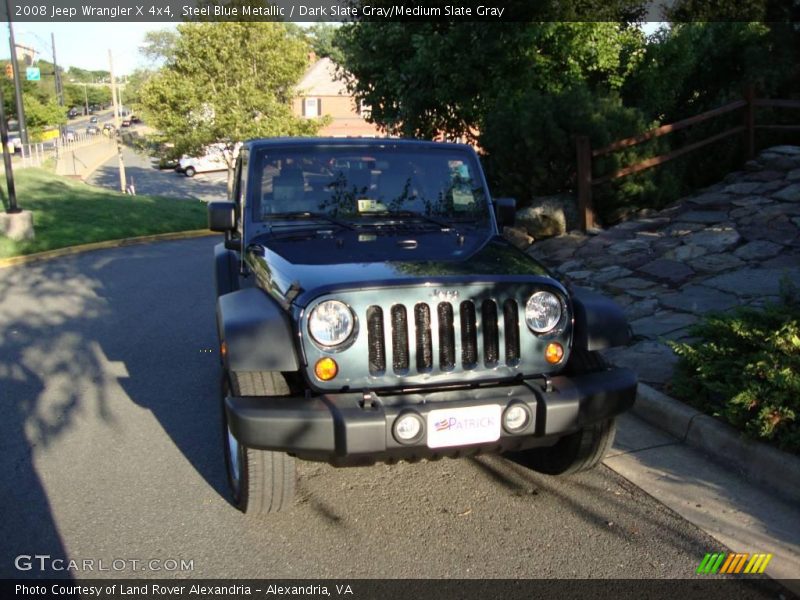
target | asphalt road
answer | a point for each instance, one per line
(152, 181)
(111, 451)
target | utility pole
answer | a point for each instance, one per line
(23, 130)
(59, 89)
(122, 184)
(12, 193)
(86, 98)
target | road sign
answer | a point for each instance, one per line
(33, 74)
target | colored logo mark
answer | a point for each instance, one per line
(733, 564)
(442, 425)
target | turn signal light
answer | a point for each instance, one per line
(553, 353)
(326, 369)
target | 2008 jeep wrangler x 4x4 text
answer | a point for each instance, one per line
(368, 310)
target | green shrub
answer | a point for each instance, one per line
(745, 369)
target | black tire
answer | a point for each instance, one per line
(189, 171)
(579, 451)
(261, 481)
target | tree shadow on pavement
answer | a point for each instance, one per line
(80, 338)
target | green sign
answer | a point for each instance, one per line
(33, 74)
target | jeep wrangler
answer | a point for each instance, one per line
(369, 310)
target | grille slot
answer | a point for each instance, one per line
(491, 344)
(511, 329)
(399, 338)
(469, 335)
(443, 336)
(447, 336)
(375, 340)
(422, 325)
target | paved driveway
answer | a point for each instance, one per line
(149, 180)
(110, 442)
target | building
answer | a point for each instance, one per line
(321, 93)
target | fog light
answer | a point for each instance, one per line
(553, 353)
(326, 369)
(516, 418)
(408, 428)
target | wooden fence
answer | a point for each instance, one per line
(585, 152)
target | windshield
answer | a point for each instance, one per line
(363, 183)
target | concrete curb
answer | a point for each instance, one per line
(757, 462)
(27, 259)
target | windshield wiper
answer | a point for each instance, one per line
(413, 215)
(298, 215)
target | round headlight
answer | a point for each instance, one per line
(542, 312)
(330, 323)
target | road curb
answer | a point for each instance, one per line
(756, 461)
(27, 259)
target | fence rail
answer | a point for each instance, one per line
(585, 153)
(36, 154)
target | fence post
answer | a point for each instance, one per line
(749, 123)
(584, 162)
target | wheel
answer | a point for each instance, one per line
(579, 451)
(261, 481)
(190, 171)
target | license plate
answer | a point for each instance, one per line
(462, 426)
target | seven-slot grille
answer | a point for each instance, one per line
(478, 331)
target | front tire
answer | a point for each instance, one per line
(261, 481)
(579, 451)
(189, 171)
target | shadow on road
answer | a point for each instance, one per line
(80, 338)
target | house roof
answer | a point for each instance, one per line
(320, 80)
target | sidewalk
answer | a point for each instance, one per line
(81, 161)
(741, 516)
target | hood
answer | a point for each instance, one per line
(311, 261)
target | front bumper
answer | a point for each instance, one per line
(355, 428)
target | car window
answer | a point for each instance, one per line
(360, 182)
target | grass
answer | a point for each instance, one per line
(68, 213)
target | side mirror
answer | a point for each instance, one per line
(505, 211)
(221, 216)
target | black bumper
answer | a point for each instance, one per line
(351, 428)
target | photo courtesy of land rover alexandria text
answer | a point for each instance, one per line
(369, 310)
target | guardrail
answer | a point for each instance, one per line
(585, 153)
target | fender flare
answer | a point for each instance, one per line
(256, 333)
(226, 270)
(599, 321)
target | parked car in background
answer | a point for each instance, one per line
(126, 122)
(92, 130)
(212, 160)
(92, 119)
(70, 135)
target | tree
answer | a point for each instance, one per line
(322, 38)
(227, 82)
(432, 78)
(39, 115)
(159, 45)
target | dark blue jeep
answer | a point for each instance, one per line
(368, 310)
